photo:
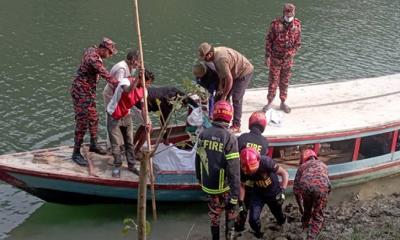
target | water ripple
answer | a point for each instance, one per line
(15, 207)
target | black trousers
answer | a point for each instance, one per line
(256, 205)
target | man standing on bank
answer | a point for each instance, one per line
(234, 72)
(281, 44)
(218, 170)
(83, 92)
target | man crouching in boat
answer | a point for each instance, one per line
(207, 77)
(218, 169)
(311, 188)
(235, 73)
(83, 92)
(158, 100)
(261, 173)
(254, 139)
(129, 92)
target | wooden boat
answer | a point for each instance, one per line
(353, 125)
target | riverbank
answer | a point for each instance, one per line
(369, 211)
(377, 218)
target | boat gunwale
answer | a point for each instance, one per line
(7, 170)
(93, 180)
(333, 136)
(279, 140)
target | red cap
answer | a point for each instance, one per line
(109, 44)
(289, 9)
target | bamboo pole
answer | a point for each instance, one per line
(141, 207)
(143, 180)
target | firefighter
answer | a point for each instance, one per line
(83, 92)
(254, 139)
(282, 42)
(262, 172)
(311, 188)
(218, 169)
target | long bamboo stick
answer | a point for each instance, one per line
(142, 191)
(141, 207)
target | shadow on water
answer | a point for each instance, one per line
(175, 221)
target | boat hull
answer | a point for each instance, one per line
(172, 186)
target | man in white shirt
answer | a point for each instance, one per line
(122, 69)
(119, 71)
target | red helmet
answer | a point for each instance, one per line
(258, 118)
(306, 155)
(249, 160)
(223, 111)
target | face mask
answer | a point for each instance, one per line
(288, 19)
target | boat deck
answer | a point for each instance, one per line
(330, 108)
(58, 161)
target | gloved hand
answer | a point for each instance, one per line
(280, 197)
(232, 204)
(242, 206)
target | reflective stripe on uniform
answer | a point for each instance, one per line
(221, 178)
(232, 156)
(249, 183)
(214, 191)
(233, 201)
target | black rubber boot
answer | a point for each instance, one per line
(215, 232)
(259, 235)
(134, 169)
(78, 158)
(230, 229)
(94, 148)
(230, 234)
